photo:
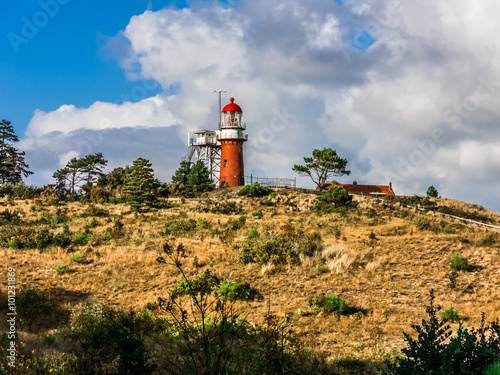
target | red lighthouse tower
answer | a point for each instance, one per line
(231, 136)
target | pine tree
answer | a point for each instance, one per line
(141, 187)
(69, 177)
(12, 164)
(93, 166)
(191, 180)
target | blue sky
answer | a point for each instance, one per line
(407, 91)
(65, 61)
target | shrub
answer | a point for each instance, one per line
(372, 236)
(61, 268)
(450, 315)
(14, 244)
(321, 268)
(77, 258)
(331, 304)
(459, 263)
(449, 229)
(232, 290)
(81, 238)
(253, 190)
(254, 233)
(436, 351)
(334, 199)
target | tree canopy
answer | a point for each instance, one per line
(78, 170)
(12, 164)
(191, 179)
(322, 165)
(141, 187)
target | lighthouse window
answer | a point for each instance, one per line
(225, 163)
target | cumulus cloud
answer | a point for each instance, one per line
(408, 91)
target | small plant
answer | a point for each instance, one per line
(61, 268)
(449, 230)
(254, 233)
(332, 304)
(372, 236)
(77, 258)
(493, 369)
(232, 291)
(15, 244)
(459, 263)
(450, 315)
(321, 268)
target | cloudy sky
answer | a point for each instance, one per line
(408, 91)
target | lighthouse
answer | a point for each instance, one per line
(231, 136)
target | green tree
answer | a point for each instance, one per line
(191, 179)
(114, 181)
(93, 166)
(322, 165)
(432, 192)
(141, 187)
(12, 164)
(69, 177)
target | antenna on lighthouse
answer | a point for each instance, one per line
(220, 91)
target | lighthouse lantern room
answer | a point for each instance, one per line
(231, 137)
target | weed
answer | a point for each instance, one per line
(449, 230)
(258, 214)
(254, 233)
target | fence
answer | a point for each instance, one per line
(272, 181)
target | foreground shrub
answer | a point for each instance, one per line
(459, 263)
(435, 351)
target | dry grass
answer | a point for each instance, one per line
(390, 276)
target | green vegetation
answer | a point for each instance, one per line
(335, 199)
(331, 304)
(450, 315)
(141, 187)
(78, 258)
(253, 190)
(436, 351)
(61, 268)
(449, 229)
(285, 247)
(12, 164)
(432, 192)
(322, 166)
(190, 180)
(459, 263)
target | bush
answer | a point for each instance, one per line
(331, 304)
(459, 263)
(432, 192)
(253, 190)
(493, 369)
(82, 238)
(285, 247)
(450, 315)
(77, 258)
(449, 229)
(231, 290)
(254, 233)
(333, 200)
(61, 268)
(436, 351)
(14, 244)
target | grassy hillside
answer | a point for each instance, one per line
(382, 258)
